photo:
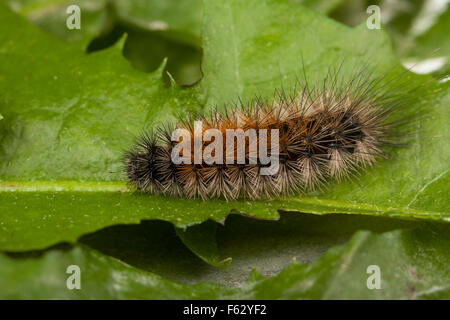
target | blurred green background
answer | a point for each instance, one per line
(171, 28)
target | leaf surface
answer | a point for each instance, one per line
(69, 116)
(413, 268)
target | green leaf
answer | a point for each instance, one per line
(201, 239)
(266, 246)
(418, 30)
(413, 268)
(434, 38)
(433, 43)
(73, 114)
(68, 116)
(102, 278)
(243, 58)
(153, 246)
(321, 6)
(145, 50)
(156, 30)
(52, 15)
(162, 14)
(150, 15)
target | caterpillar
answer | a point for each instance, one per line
(325, 132)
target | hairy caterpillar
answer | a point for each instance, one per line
(325, 132)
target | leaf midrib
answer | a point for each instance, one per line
(62, 186)
(121, 186)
